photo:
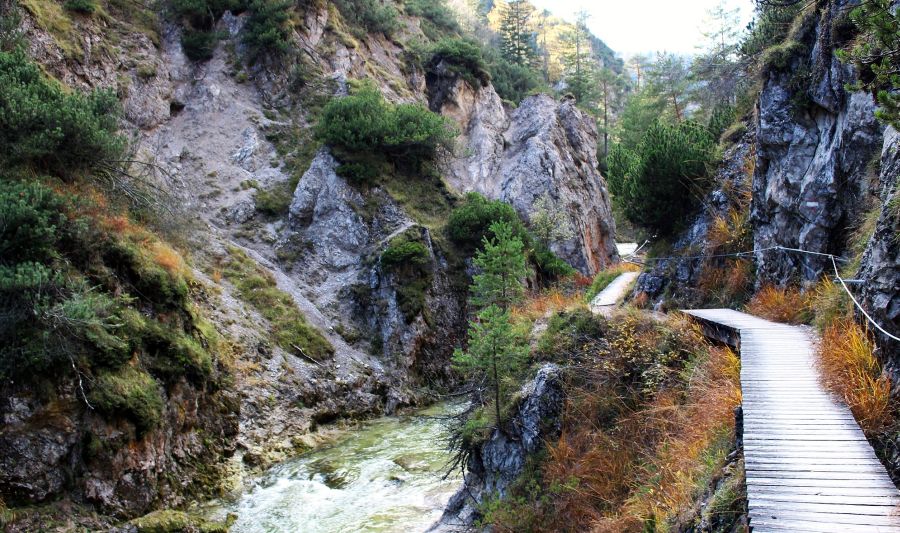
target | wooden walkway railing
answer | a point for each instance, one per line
(809, 467)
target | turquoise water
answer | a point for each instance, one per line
(384, 476)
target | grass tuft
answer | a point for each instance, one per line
(849, 368)
(787, 305)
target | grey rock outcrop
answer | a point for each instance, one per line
(678, 278)
(880, 265)
(495, 464)
(813, 146)
(338, 235)
(543, 147)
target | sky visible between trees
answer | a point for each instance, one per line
(644, 26)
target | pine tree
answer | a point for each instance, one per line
(502, 265)
(668, 80)
(496, 349)
(516, 37)
(579, 61)
(718, 68)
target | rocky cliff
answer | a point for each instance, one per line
(229, 152)
(809, 161)
(880, 265)
(542, 148)
(496, 463)
(813, 145)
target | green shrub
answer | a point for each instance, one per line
(31, 216)
(409, 260)
(514, 82)
(267, 30)
(550, 265)
(468, 224)
(362, 127)
(405, 254)
(48, 129)
(661, 182)
(129, 392)
(721, 118)
(436, 15)
(462, 57)
(369, 16)
(85, 7)
(199, 45)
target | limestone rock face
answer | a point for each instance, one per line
(880, 266)
(340, 246)
(496, 464)
(811, 160)
(543, 147)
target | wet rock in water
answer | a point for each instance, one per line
(497, 463)
(412, 462)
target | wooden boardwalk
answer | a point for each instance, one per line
(809, 467)
(607, 299)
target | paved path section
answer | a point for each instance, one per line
(607, 299)
(809, 467)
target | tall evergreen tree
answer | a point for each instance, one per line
(496, 350)
(668, 78)
(502, 264)
(516, 36)
(579, 61)
(718, 69)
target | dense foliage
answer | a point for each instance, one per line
(877, 53)
(496, 350)
(51, 130)
(664, 178)
(84, 292)
(267, 30)
(461, 57)
(470, 223)
(408, 259)
(363, 127)
(369, 16)
(437, 18)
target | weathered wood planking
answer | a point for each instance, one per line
(809, 467)
(607, 299)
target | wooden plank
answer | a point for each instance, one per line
(809, 468)
(762, 524)
(882, 510)
(841, 499)
(787, 513)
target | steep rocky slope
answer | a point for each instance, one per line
(222, 138)
(810, 163)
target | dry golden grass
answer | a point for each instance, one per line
(166, 257)
(629, 454)
(849, 368)
(729, 233)
(729, 284)
(829, 303)
(780, 305)
(545, 303)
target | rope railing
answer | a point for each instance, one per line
(834, 260)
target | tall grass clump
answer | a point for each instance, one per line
(849, 368)
(787, 305)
